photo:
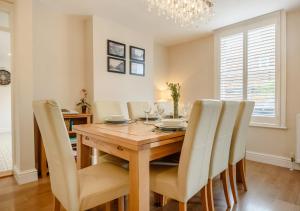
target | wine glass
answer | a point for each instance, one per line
(147, 111)
(160, 110)
(186, 110)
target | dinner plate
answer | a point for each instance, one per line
(171, 128)
(116, 121)
(149, 118)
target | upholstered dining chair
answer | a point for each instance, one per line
(190, 176)
(103, 109)
(75, 189)
(136, 109)
(221, 147)
(238, 146)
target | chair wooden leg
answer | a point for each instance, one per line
(241, 169)
(182, 206)
(225, 187)
(56, 204)
(160, 200)
(203, 198)
(232, 183)
(107, 206)
(210, 195)
(121, 203)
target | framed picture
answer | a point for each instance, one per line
(137, 68)
(116, 65)
(116, 49)
(137, 54)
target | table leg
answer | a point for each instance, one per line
(83, 153)
(139, 195)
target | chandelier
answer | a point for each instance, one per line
(183, 12)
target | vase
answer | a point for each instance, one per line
(175, 115)
(83, 109)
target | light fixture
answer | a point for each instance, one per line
(183, 12)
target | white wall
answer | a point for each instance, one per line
(114, 86)
(59, 62)
(5, 91)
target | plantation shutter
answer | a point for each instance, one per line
(261, 69)
(231, 67)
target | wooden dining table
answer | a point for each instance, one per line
(137, 143)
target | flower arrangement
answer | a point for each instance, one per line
(175, 94)
(83, 101)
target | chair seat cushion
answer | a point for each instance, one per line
(107, 158)
(102, 183)
(163, 180)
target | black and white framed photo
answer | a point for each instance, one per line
(116, 65)
(137, 54)
(116, 49)
(137, 68)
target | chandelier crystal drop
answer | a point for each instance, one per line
(183, 12)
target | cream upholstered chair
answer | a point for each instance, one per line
(184, 181)
(102, 109)
(238, 146)
(136, 109)
(75, 189)
(221, 147)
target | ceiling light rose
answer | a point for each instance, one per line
(183, 12)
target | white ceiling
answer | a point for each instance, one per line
(134, 14)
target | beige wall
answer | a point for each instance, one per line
(23, 141)
(114, 86)
(59, 62)
(192, 65)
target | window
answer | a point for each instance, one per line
(250, 65)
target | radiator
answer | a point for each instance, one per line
(297, 138)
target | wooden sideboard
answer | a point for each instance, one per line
(40, 156)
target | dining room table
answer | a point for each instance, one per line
(136, 142)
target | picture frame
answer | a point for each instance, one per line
(116, 49)
(137, 54)
(116, 65)
(137, 68)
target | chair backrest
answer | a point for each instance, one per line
(239, 137)
(221, 147)
(61, 163)
(103, 109)
(136, 109)
(196, 150)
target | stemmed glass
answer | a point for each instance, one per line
(159, 110)
(147, 111)
(186, 110)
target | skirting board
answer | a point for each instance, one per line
(272, 160)
(26, 176)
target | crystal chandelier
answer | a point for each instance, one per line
(183, 12)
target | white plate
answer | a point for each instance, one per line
(178, 127)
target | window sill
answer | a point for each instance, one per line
(263, 125)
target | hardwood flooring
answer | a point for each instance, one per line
(270, 188)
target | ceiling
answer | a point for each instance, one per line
(134, 14)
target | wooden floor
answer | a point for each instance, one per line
(270, 188)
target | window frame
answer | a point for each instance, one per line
(279, 19)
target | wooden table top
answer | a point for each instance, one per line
(136, 134)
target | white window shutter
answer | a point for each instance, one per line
(261, 68)
(231, 67)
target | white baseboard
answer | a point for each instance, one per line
(26, 176)
(272, 160)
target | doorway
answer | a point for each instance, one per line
(5, 93)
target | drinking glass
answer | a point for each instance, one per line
(147, 111)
